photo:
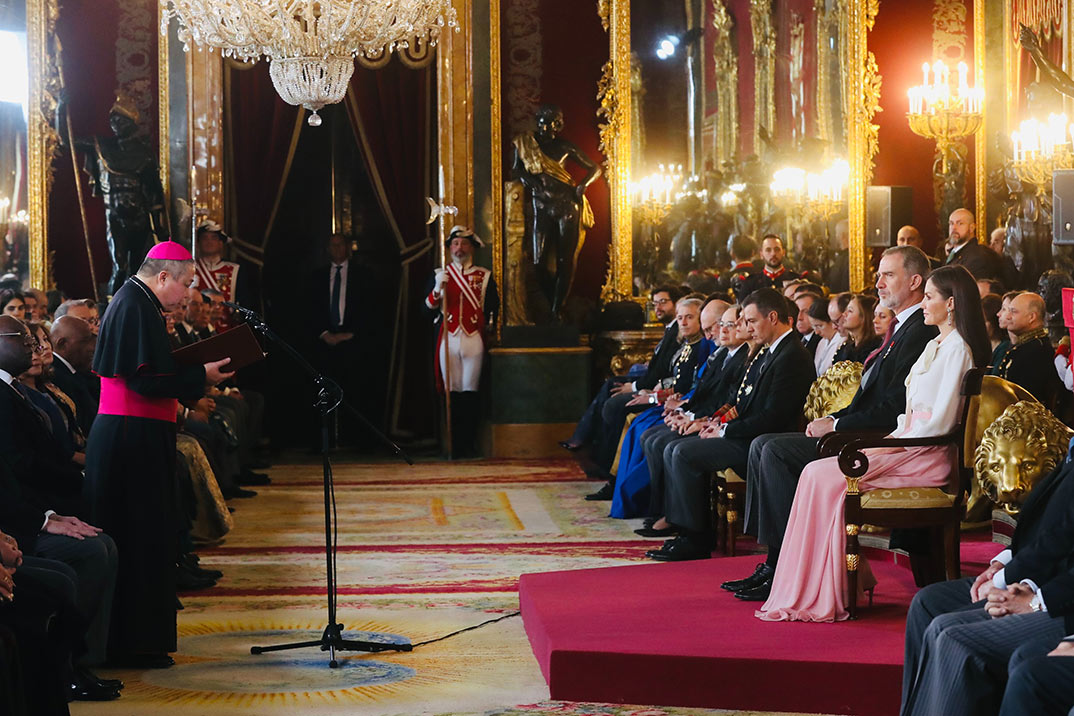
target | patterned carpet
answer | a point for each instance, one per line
(424, 551)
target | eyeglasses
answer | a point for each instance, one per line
(661, 301)
(726, 324)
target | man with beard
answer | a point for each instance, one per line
(772, 253)
(966, 251)
(467, 297)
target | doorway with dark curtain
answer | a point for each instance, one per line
(327, 191)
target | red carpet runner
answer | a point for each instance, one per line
(667, 634)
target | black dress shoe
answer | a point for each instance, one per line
(83, 675)
(757, 594)
(678, 551)
(763, 573)
(568, 445)
(653, 532)
(233, 492)
(606, 492)
(91, 691)
(247, 477)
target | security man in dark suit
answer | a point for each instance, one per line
(1028, 360)
(769, 399)
(966, 251)
(960, 634)
(776, 461)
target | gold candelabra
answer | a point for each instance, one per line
(1042, 147)
(945, 116)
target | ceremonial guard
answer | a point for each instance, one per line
(466, 300)
(215, 273)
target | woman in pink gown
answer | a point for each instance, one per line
(810, 580)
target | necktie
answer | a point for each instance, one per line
(887, 341)
(336, 288)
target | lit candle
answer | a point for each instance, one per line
(925, 73)
(962, 70)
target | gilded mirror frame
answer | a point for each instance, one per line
(42, 47)
(862, 93)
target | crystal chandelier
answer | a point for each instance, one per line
(310, 44)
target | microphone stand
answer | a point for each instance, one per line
(329, 398)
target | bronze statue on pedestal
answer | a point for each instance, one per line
(123, 169)
(560, 212)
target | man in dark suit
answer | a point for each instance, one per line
(810, 339)
(73, 344)
(966, 251)
(340, 293)
(777, 460)
(961, 634)
(769, 399)
(36, 488)
(716, 386)
(910, 236)
(1028, 361)
(590, 425)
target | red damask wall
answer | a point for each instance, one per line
(902, 41)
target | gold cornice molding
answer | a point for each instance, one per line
(863, 101)
(615, 133)
(42, 47)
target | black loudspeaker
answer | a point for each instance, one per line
(887, 209)
(1063, 207)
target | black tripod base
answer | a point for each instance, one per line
(332, 641)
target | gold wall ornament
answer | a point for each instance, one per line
(949, 30)
(604, 11)
(514, 285)
(619, 286)
(764, 68)
(42, 142)
(607, 113)
(499, 197)
(725, 58)
(834, 390)
(1020, 447)
(863, 102)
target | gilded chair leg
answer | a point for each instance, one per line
(852, 559)
(732, 520)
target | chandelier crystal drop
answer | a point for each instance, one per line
(310, 44)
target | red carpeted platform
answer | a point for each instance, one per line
(667, 634)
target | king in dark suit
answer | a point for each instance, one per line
(769, 399)
(776, 461)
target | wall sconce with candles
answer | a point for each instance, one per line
(1042, 147)
(945, 114)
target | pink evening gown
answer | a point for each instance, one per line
(810, 581)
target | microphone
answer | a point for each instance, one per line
(241, 310)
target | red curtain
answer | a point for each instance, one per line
(262, 132)
(1046, 19)
(391, 113)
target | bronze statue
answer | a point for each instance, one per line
(1023, 445)
(123, 169)
(560, 212)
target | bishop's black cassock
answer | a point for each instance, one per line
(130, 465)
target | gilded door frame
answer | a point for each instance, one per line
(615, 102)
(862, 96)
(42, 140)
